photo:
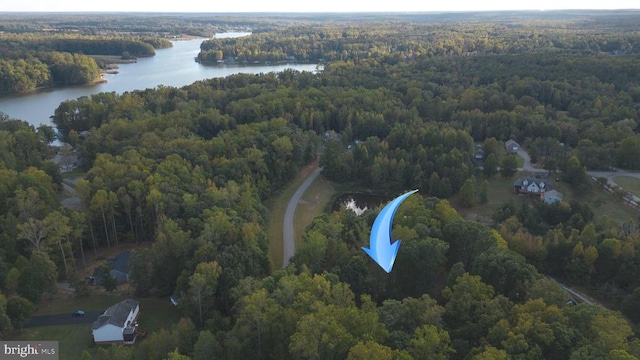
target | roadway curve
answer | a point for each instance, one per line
(289, 244)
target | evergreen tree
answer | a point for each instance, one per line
(468, 192)
(484, 192)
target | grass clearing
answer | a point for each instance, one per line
(72, 339)
(312, 204)
(602, 203)
(66, 303)
(628, 183)
(499, 191)
(157, 314)
(277, 206)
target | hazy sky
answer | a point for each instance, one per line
(308, 6)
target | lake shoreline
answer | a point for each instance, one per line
(96, 81)
(258, 63)
(171, 67)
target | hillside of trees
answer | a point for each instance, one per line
(186, 171)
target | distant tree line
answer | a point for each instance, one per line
(144, 25)
(324, 42)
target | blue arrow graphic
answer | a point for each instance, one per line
(380, 248)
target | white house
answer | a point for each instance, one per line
(530, 185)
(118, 324)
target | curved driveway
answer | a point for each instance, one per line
(63, 319)
(289, 244)
(527, 161)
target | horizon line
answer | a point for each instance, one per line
(308, 12)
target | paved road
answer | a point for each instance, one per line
(289, 244)
(63, 319)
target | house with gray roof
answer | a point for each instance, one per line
(531, 185)
(511, 146)
(119, 266)
(552, 196)
(537, 187)
(117, 325)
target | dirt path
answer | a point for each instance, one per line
(288, 238)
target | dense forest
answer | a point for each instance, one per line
(325, 42)
(187, 171)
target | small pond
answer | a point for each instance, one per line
(359, 203)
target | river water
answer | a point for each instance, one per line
(170, 67)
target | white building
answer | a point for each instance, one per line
(118, 324)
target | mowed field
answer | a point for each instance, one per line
(628, 183)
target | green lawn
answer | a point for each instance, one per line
(155, 314)
(601, 202)
(72, 339)
(68, 304)
(628, 183)
(499, 191)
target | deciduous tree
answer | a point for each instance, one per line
(508, 166)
